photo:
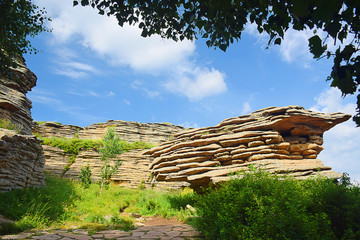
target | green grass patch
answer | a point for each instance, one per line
(74, 145)
(64, 203)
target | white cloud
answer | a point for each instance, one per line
(127, 102)
(197, 83)
(139, 85)
(246, 108)
(118, 45)
(342, 142)
(294, 47)
(124, 47)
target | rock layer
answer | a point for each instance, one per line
(283, 140)
(21, 155)
(133, 172)
(21, 161)
(14, 105)
(129, 131)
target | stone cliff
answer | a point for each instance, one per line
(129, 131)
(21, 155)
(283, 140)
(21, 161)
(14, 105)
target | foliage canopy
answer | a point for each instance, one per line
(222, 22)
(19, 19)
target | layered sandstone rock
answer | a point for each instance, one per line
(283, 140)
(133, 172)
(129, 131)
(21, 155)
(14, 105)
(21, 161)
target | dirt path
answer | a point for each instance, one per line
(151, 229)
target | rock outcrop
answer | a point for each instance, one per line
(21, 161)
(21, 155)
(134, 170)
(283, 140)
(14, 105)
(129, 131)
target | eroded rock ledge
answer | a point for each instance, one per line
(21, 155)
(129, 131)
(283, 140)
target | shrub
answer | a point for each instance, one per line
(263, 206)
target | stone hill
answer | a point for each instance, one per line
(21, 156)
(283, 140)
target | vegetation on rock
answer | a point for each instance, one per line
(7, 124)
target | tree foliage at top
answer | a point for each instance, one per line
(19, 19)
(222, 22)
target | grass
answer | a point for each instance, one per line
(65, 204)
(7, 124)
(257, 206)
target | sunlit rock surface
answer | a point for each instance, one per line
(21, 155)
(283, 140)
(129, 131)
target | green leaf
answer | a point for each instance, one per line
(277, 41)
(75, 3)
(316, 47)
(300, 7)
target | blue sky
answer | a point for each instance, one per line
(90, 70)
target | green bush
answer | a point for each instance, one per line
(263, 206)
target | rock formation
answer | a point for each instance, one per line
(14, 105)
(21, 161)
(129, 131)
(135, 166)
(283, 140)
(133, 172)
(21, 155)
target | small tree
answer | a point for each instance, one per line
(112, 147)
(85, 176)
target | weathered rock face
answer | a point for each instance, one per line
(21, 161)
(283, 140)
(14, 105)
(21, 155)
(133, 172)
(135, 166)
(129, 131)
